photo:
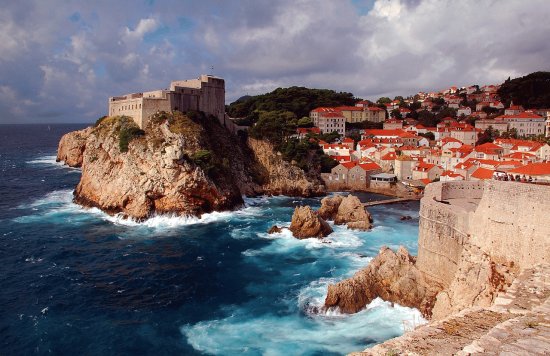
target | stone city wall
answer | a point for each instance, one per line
(509, 224)
(441, 236)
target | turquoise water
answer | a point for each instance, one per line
(77, 280)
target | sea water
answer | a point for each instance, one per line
(78, 281)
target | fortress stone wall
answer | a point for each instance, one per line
(207, 94)
(507, 221)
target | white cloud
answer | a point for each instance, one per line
(398, 47)
(144, 26)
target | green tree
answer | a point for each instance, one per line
(383, 100)
(274, 126)
(396, 114)
(305, 122)
(489, 135)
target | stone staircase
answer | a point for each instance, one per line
(518, 323)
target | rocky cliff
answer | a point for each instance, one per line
(475, 239)
(180, 164)
(282, 178)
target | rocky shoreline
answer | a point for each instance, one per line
(177, 165)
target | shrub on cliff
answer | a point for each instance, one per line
(100, 120)
(128, 131)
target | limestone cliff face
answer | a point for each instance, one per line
(155, 175)
(178, 165)
(282, 178)
(71, 147)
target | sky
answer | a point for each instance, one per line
(61, 60)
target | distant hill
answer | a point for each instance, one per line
(298, 100)
(531, 91)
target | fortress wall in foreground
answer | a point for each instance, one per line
(510, 224)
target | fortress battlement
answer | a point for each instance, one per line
(206, 93)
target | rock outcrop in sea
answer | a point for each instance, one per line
(390, 276)
(179, 164)
(306, 223)
(345, 210)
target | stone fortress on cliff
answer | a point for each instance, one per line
(206, 94)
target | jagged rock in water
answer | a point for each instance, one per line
(329, 207)
(346, 210)
(390, 276)
(274, 229)
(306, 223)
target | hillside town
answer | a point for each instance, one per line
(479, 139)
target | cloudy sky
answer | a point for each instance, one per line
(61, 60)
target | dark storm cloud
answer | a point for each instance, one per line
(62, 65)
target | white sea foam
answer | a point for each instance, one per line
(269, 334)
(60, 202)
(50, 160)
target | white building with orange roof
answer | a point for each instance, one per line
(514, 109)
(352, 114)
(465, 133)
(464, 110)
(374, 114)
(525, 123)
(482, 174)
(465, 169)
(392, 124)
(487, 150)
(329, 121)
(426, 171)
(450, 142)
(449, 176)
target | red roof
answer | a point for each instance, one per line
(483, 173)
(451, 174)
(533, 169)
(424, 167)
(349, 108)
(323, 109)
(374, 108)
(304, 130)
(522, 115)
(464, 165)
(390, 156)
(488, 148)
(445, 140)
(519, 155)
(349, 165)
(347, 139)
(379, 132)
(369, 166)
